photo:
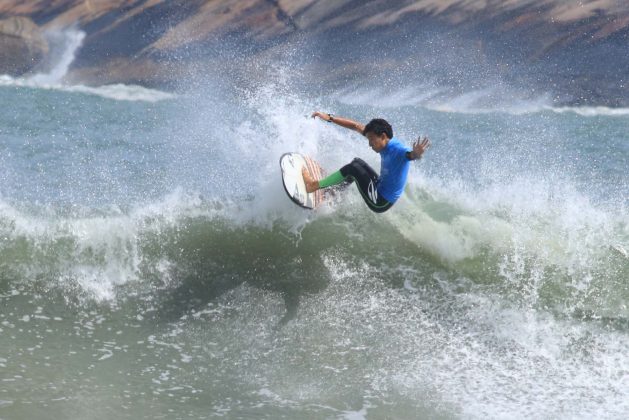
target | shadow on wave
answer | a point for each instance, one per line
(212, 259)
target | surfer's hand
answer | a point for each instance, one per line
(324, 117)
(419, 147)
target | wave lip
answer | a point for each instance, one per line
(481, 101)
(118, 92)
(592, 111)
(122, 92)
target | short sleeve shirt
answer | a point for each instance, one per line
(393, 170)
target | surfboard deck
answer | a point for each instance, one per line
(293, 181)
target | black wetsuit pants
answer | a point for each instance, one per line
(366, 181)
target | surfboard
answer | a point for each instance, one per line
(294, 185)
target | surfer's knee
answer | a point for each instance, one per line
(350, 168)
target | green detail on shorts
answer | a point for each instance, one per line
(333, 179)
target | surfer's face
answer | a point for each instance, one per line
(377, 142)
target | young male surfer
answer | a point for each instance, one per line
(379, 192)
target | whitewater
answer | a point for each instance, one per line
(151, 265)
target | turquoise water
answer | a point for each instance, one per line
(151, 265)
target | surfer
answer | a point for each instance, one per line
(380, 192)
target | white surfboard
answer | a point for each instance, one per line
(292, 178)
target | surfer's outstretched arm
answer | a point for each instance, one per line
(343, 122)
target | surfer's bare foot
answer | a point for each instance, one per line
(311, 184)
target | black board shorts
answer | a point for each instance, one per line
(366, 181)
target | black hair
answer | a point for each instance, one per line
(379, 126)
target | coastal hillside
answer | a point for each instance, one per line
(575, 50)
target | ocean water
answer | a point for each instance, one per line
(151, 265)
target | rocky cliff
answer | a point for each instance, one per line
(577, 49)
(22, 45)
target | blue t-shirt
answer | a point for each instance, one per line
(393, 170)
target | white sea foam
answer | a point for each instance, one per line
(591, 111)
(473, 353)
(529, 234)
(105, 251)
(482, 101)
(118, 92)
(550, 220)
(122, 92)
(407, 96)
(68, 42)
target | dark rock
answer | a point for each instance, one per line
(572, 50)
(22, 45)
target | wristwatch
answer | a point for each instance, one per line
(331, 117)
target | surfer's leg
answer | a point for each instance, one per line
(366, 181)
(329, 181)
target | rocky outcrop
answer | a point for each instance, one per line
(22, 45)
(574, 47)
